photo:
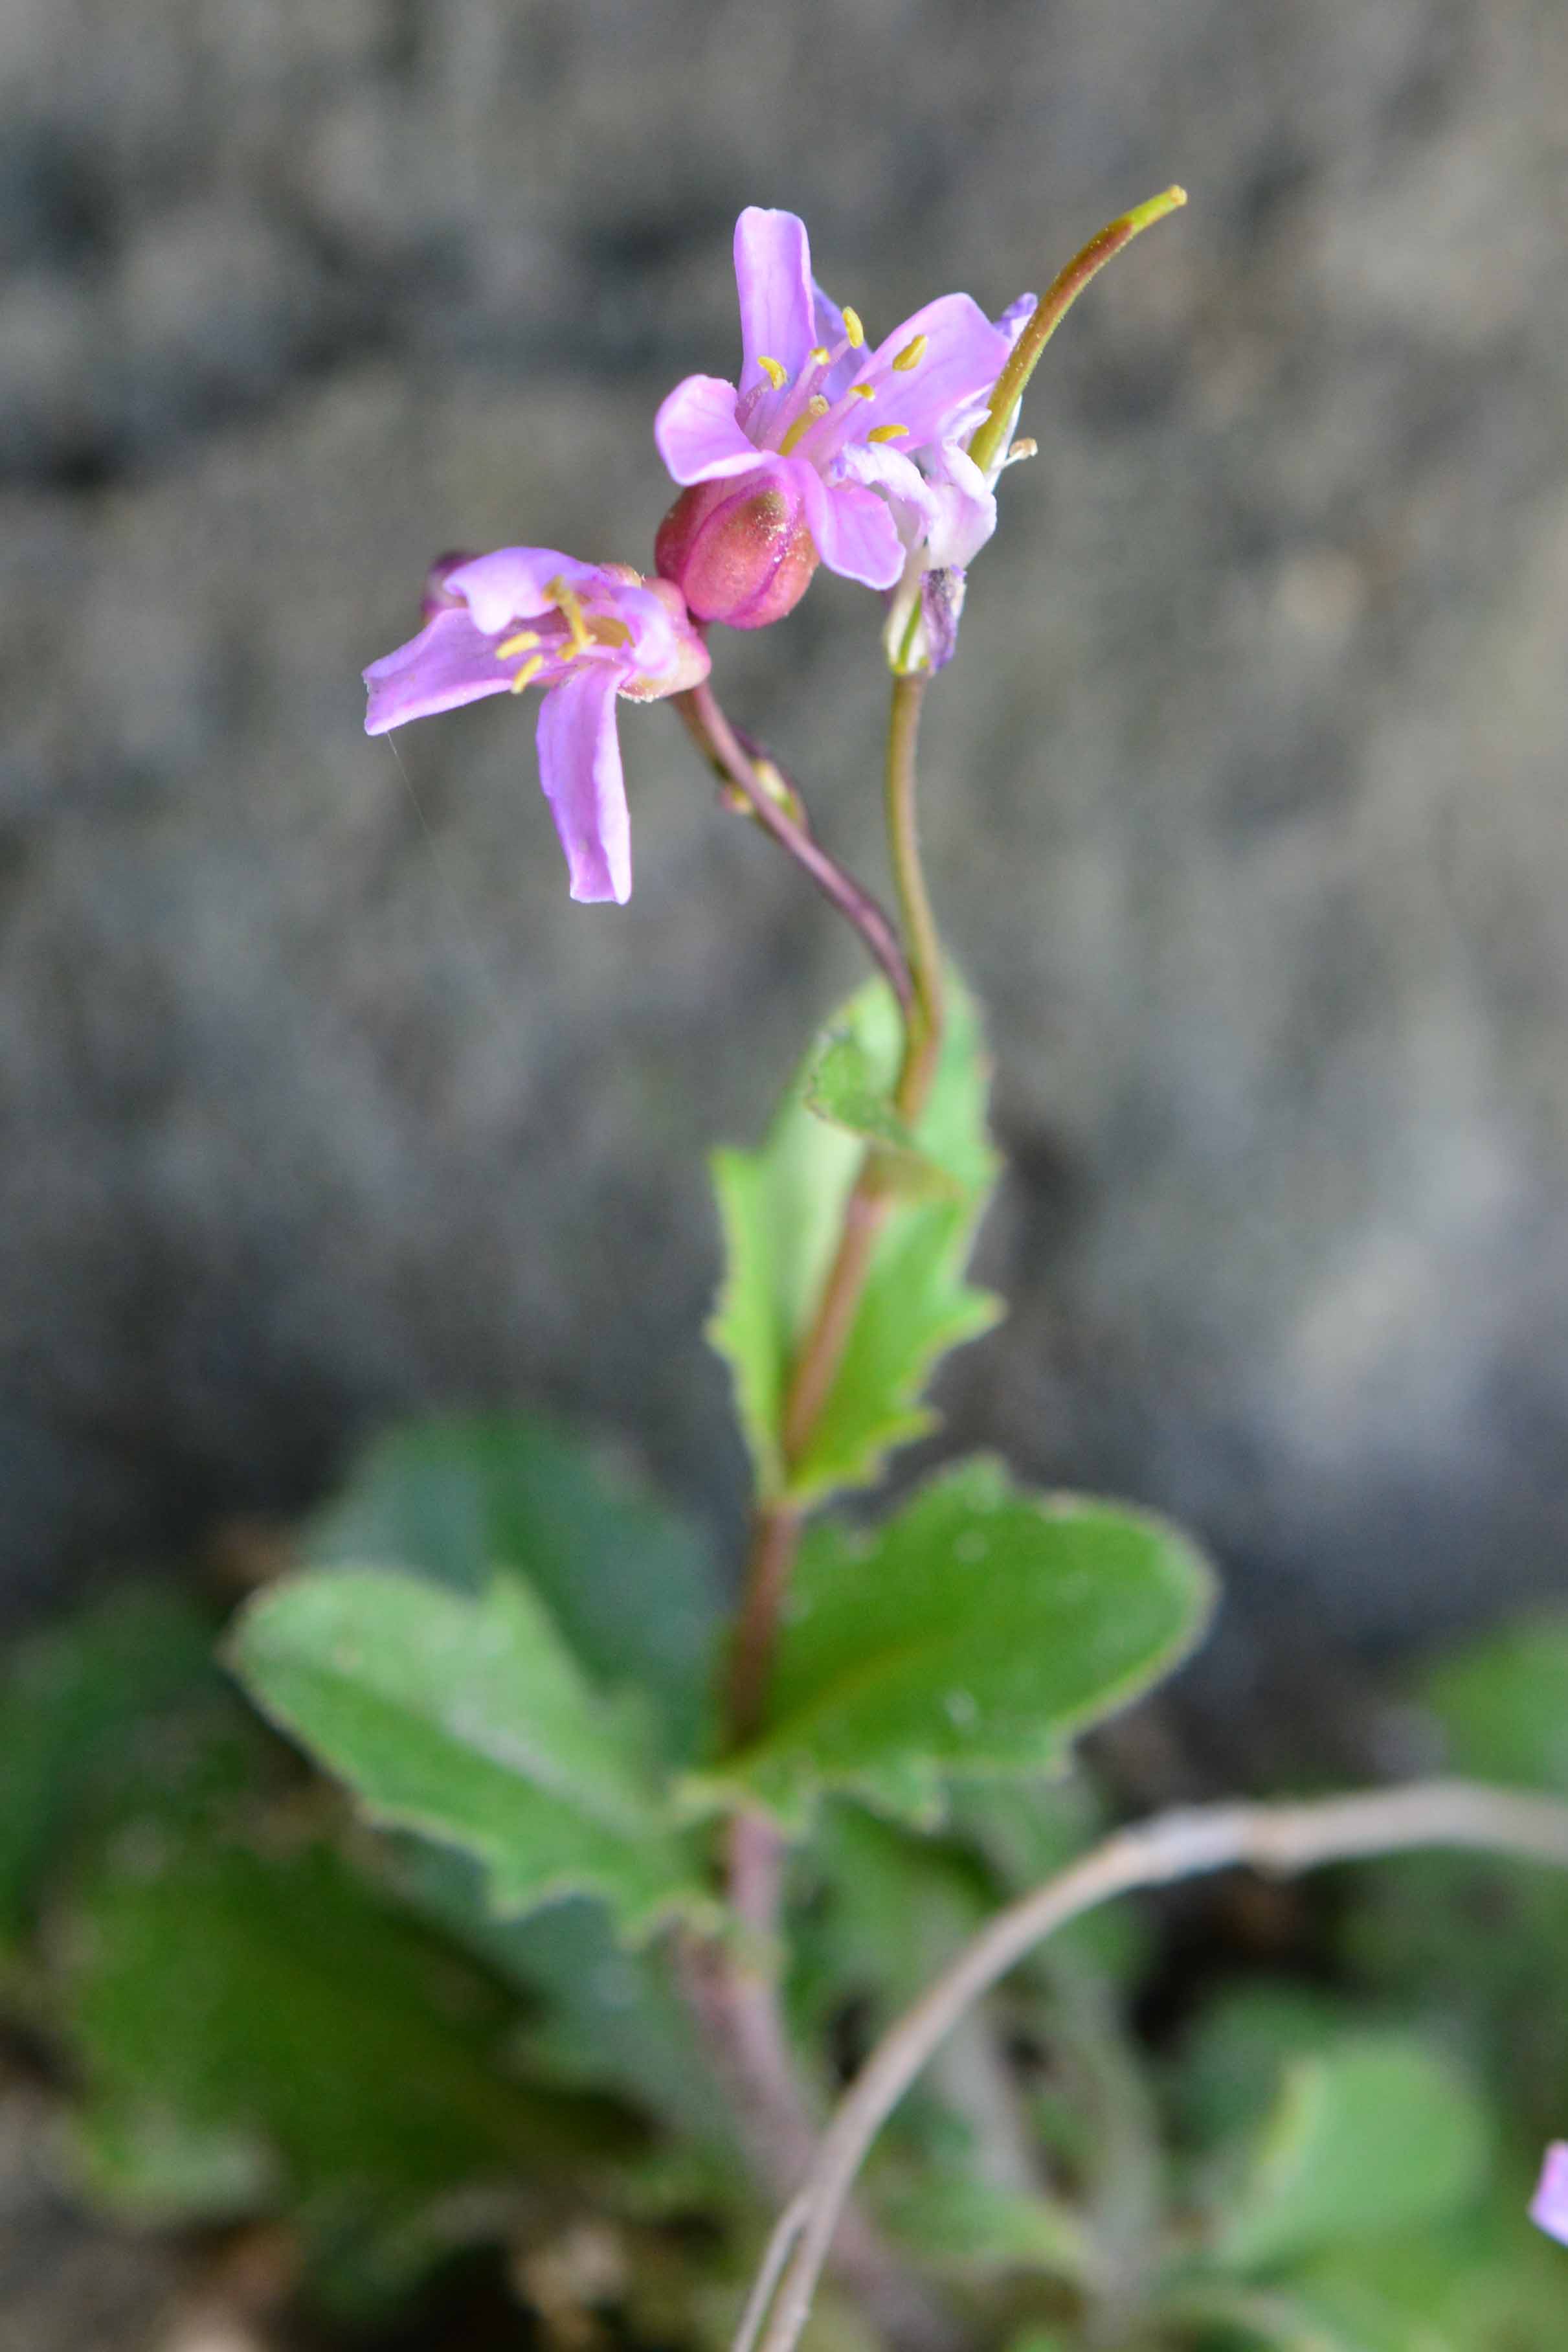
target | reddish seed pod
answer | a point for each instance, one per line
(738, 549)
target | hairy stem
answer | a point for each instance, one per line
(1281, 1840)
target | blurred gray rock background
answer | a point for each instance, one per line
(1245, 798)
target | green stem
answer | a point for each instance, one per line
(776, 1525)
(924, 1029)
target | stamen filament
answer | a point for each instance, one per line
(816, 406)
(570, 605)
(912, 354)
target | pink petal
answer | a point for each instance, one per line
(580, 768)
(773, 279)
(879, 467)
(697, 434)
(855, 529)
(513, 584)
(449, 663)
(965, 354)
(965, 510)
(1549, 2205)
(828, 330)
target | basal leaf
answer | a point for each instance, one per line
(257, 2033)
(467, 1718)
(628, 1582)
(781, 1209)
(1373, 2137)
(972, 1635)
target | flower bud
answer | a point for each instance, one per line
(738, 551)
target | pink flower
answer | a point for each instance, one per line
(1549, 2205)
(584, 633)
(811, 395)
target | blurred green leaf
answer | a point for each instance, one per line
(1028, 1830)
(1502, 1702)
(629, 1583)
(611, 2018)
(781, 1209)
(968, 2222)
(256, 2030)
(1364, 2139)
(843, 1087)
(1483, 2281)
(118, 1705)
(1484, 1938)
(465, 1717)
(973, 1634)
(1228, 2069)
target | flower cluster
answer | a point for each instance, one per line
(828, 450)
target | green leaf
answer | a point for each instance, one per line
(781, 1210)
(611, 2019)
(630, 1584)
(258, 2032)
(967, 2220)
(1371, 2137)
(1502, 1702)
(117, 1708)
(1483, 2280)
(1475, 1934)
(843, 1088)
(973, 1634)
(468, 1719)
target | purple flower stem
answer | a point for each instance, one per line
(732, 760)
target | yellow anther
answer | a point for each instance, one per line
(854, 329)
(819, 355)
(816, 406)
(524, 641)
(529, 672)
(1020, 450)
(777, 374)
(863, 391)
(887, 432)
(912, 354)
(569, 603)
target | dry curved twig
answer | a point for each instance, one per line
(1278, 1839)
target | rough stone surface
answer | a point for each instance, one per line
(319, 1099)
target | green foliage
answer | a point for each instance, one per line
(973, 1634)
(629, 1583)
(609, 2018)
(97, 1712)
(254, 2030)
(843, 1087)
(467, 1718)
(252, 2027)
(781, 1209)
(1484, 1939)
(1365, 2138)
